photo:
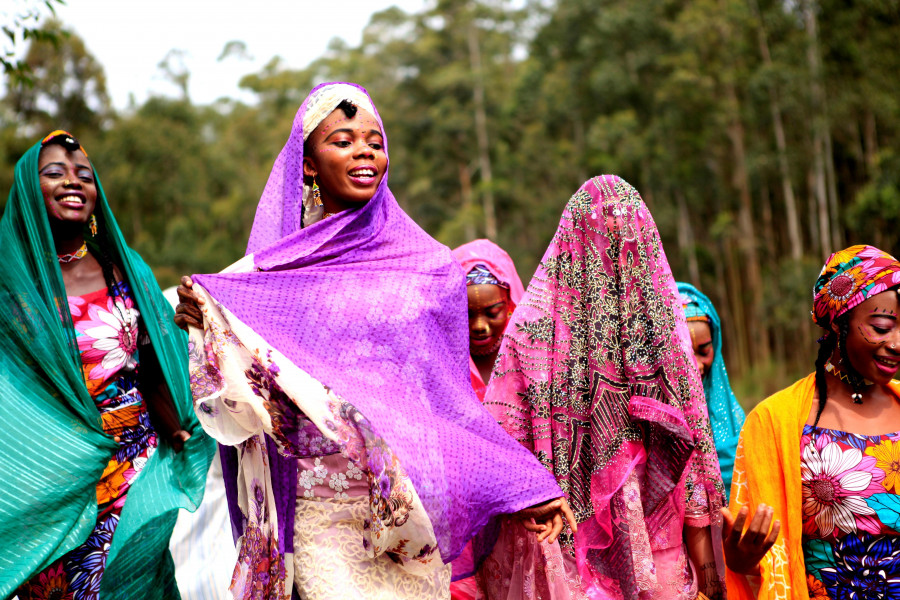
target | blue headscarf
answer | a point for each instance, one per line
(725, 414)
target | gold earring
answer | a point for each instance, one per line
(93, 225)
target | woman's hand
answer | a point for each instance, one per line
(178, 438)
(744, 549)
(187, 313)
(546, 519)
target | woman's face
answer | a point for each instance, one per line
(67, 183)
(347, 158)
(488, 315)
(701, 339)
(873, 337)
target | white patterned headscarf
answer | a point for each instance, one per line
(320, 105)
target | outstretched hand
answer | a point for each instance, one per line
(744, 549)
(546, 519)
(187, 313)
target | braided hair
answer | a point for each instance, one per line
(104, 253)
(826, 348)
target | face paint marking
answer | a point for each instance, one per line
(870, 337)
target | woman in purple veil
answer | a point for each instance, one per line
(333, 357)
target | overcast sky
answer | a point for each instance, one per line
(130, 38)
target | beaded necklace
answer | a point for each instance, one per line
(77, 255)
(856, 396)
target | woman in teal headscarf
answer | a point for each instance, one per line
(725, 414)
(99, 446)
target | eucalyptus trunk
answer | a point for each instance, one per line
(481, 133)
(825, 183)
(795, 241)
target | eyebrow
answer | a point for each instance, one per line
(349, 130)
(62, 164)
(494, 305)
(884, 315)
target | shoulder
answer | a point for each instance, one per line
(787, 405)
(895, 387)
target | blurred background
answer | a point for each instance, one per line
(762, 134)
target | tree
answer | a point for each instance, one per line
(68, 85)
(21, 24)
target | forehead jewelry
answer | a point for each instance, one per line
(77, 255)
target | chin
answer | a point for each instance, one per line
(358, 200)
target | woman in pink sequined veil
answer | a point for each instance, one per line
(595, 376)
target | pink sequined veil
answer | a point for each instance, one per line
(595, 377)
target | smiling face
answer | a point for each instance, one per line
(873, 337)
(488, 315)
(701, 340)
(346, 158)
(67, 184)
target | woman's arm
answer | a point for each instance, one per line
(699, 544)
(159, 400)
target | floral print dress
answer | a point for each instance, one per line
(106, 328)
(851, 513)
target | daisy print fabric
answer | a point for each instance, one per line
(851, 513)
(106, 329)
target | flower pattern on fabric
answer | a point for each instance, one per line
(864, 568)
(851, 514)
(243, 387)
(52, 584)
(887, 458)
(848, 278)
(76, 306)
(107, 338)
(836, 482)
(106, 329)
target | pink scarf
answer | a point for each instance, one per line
(595, 376)
(501, 266)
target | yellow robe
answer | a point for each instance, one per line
(767, 469)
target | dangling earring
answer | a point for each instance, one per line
(93, 225)
(316, 193)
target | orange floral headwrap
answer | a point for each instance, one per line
(849, 278)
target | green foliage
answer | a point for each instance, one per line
(684, 98)
(876, 208)
(21, 24)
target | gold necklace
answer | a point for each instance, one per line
(77, 255)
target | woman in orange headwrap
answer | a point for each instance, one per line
(825, 452)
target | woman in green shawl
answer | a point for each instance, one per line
(99, 446)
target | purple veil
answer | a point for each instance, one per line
(374, 308)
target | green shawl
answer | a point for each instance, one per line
(52, 446)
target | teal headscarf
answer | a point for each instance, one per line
(725, 414)
(53, 449)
